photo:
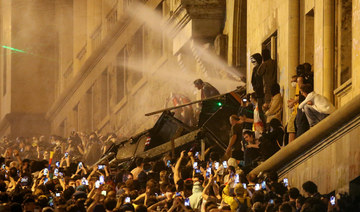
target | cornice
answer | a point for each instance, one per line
(209, 9)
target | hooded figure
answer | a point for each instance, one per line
(257, 80)
(195, 198)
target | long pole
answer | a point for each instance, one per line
(190, 103)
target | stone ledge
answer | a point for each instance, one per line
(315, 136)
(343, 89)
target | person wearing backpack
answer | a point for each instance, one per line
(239, 201)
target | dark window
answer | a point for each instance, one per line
(343, 39)
(120, 75)
(104, 93)
(271, 44)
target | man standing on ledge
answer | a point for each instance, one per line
(207, 90)
(268, 72)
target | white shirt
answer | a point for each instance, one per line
(320, 103)
(136, 171)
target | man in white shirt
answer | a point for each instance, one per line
(139, 168)
(315, 106)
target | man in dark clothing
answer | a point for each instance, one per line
(93, 149)
(270, 143)
(74, 147)
(246, 112)
(252, 148)
(207, 90)
(311, 190)
(256, 79)
(293, 195)
(268, 72)
(301, 122)
(235, 144)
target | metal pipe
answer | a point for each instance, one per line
(190, 103)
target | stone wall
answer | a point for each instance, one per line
(333, 167)
(264, 19)
(156, 66)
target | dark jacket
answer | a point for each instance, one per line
(208, 91)
(257, 83)
(269, 73)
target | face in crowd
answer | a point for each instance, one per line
(248, 138)
(199, 86)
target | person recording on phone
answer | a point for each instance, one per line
(246, 112)
(241, 200)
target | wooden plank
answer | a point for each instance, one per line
(167, 146)
(177, 134)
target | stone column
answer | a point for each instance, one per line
(328, 71)
(355, 48)
(293, 50)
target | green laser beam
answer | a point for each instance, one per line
(11, 48)
(22, 51)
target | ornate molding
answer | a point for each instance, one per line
(205, 9)
(196, 10)
(69, 70)
(82, 52)
(343, 89)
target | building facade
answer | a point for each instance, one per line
(325, 34)
(27, 66)
(121, 59)
(322, 33)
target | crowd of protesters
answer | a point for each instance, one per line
(308, 108)
(258, 130)
(57, 174)
(35, 177)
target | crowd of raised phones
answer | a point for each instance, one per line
(54, 175)
(57, 174)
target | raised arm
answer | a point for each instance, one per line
(176, 169)
(204, 195)
(92, 173)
